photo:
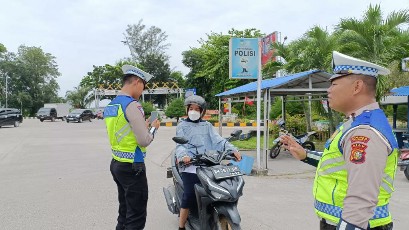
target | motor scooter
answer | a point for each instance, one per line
(303, 140)
(217, 194)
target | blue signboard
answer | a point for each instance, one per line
(244, 58)
(190, 92)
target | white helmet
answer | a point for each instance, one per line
(197, 100)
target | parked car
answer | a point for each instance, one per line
(80, 115)
(10, 116)
(47, 114)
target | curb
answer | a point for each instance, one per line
(216, 124)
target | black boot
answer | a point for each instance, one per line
(182, 228)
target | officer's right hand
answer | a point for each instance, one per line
(295, 149)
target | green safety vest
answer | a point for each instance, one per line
(123, 142)
(331, 184)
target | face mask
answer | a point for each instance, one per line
(193, 115)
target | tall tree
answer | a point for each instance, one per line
(144, 42)
(33, 72)
(375, 39)
(158, 66)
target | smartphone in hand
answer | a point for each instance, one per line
(154, 116)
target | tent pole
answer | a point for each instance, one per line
(395, 112)
(265, 127)
(220, 116)
(283, 109)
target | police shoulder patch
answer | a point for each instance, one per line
(358, 153)
(362, 139)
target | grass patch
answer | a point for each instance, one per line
(252, 144)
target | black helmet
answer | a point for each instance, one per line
(198, 100)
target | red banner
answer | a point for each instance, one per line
(266, 50)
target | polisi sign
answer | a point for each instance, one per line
(244, 58)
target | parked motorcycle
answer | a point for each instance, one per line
(217, 195)
(303, 140)
(403, 162)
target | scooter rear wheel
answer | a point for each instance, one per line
(222, 223)
(274, 151)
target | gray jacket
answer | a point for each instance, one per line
(201, 134)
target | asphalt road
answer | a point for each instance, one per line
(56, 176)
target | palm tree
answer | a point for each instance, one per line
(79, 97)
(375, 39)
(312, 51)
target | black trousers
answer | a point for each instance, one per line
(132, 196)
(325, 226)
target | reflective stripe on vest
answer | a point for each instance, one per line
(123, 154)
(123, 132)
(380, 211)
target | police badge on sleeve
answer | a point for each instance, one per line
(359, 144)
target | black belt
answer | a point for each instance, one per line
(325, 226)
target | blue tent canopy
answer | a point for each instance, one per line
(320, 80)
(401, 91)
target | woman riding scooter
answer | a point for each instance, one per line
(202, 135)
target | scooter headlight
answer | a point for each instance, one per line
(218, 196)
(213, 186)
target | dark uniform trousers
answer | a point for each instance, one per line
(132, 196)
(326, 226)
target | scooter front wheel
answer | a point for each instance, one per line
(274, 151)
(222, 223)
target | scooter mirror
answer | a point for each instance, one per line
(236, 133)
(180, 140)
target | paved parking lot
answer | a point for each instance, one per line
(56, 176)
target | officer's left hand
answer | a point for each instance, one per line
(237, 155)
(156, 123)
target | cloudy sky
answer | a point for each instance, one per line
(83, 33)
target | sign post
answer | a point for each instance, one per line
(245, 63)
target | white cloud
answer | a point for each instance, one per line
(81, 34)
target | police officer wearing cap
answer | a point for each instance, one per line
(129, 135)
(354, 179)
